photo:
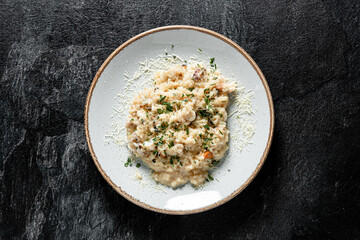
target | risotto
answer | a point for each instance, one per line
(177, 127)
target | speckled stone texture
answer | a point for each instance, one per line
(309, 187)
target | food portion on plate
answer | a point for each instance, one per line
(177, 127)
(153, 116)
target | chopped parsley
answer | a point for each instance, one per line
(204, 113)
(200, 51)
(160, 142)
(173, 158)
(206, 127)
(128, 163)
(171, 144)
(212, 64)
(163, 126)
(206, 141)
(138, 165)
(210, 178)
(169, 108)
(191, 89)
(207, 100)
(221, 132)
(162, 98)
(214, 162)
(187, 130)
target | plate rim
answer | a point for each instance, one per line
(236, 47)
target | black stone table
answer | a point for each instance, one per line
(309, 52)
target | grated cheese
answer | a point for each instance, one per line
(242, 110)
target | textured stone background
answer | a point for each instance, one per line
(309, 186)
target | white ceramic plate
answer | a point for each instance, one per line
(235, 172)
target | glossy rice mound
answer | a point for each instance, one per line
(178, 126)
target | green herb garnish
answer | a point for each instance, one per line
(162, 98)
(207, 100)
(169, 108)
(128, 163)
(210, 178)
(160, 142)
(204, 113)
(163, 126)
(214, 162)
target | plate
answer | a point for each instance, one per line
(236, 170)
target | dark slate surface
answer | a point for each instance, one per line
(309, 187)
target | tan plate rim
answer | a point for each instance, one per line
(226, 40)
